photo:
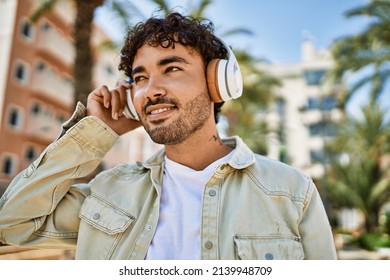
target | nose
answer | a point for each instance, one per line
(155, 89)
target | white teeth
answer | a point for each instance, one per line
(158, 111)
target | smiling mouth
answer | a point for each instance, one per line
(161, 110)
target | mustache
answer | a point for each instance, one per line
(161, 100)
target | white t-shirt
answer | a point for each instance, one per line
(177, 236)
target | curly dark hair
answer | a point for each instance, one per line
(167, 31)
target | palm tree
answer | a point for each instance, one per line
(362, 180)
(369, 50)
(83, 63)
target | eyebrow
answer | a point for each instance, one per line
(171, 59)
(161, 62)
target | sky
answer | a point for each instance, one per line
(278, 26)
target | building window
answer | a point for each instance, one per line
(26, 29)
(281, 107)
(21, 72)
(30, 154)
(45, 26)
(327, 103)
(14, 118)
(317, 156)
(35, 109)
(8, 165)
(313, 103)
(40, 67)
(324, 129)
(314, 77)
(61, 119)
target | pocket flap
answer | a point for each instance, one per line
(104, 216)
(268, 247)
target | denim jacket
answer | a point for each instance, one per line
(252, 207)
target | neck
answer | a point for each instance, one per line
(199, 151)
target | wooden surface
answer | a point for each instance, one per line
(8, 252)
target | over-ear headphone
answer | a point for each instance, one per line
(130, 111)
(224, 81)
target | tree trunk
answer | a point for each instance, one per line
(83, 66)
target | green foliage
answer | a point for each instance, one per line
(362, 182)
(373, 241)
(385, 226)
(367, 52)
(44, 7)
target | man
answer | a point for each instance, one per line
(199, 198)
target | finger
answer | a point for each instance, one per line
(102, 95)
(96, 95)
(115, 104)
(122, 98)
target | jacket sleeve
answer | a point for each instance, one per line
(40, 207)
(315, 229)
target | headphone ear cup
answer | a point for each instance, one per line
(212, 81)
(224, 78)
(130, 111)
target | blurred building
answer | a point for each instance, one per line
(304, 117)
(36, 93)
(36, 85)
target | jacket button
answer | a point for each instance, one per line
(269, 256)
(212, 192)
(96, 216)
(208, 245)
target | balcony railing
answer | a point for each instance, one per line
(52, 41)
(54, 87)
(43, 127)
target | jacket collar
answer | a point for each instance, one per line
(241, 158)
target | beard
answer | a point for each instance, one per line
(192, 117)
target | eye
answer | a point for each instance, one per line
(138, 79)
(172, 69)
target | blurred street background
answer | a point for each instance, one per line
(316, 93)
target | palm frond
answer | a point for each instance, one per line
(377, 8)
(125, 11)
(163, 5)
(198, 12)
(379, 190)
(43, 7)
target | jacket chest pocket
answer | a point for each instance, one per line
(101, 228)
(253, 247)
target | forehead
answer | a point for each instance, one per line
(153, 54)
